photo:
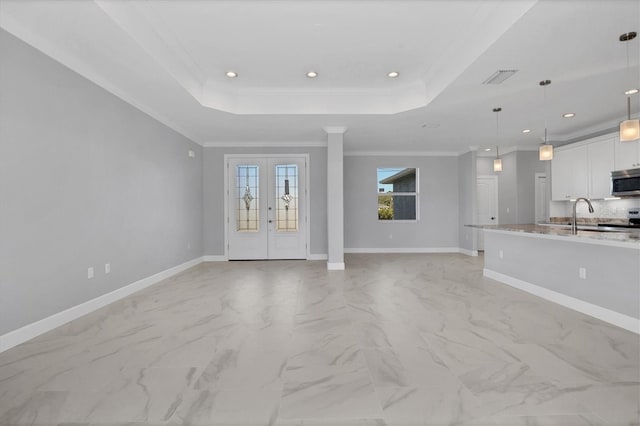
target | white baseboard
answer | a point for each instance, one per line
(404, 250)
(468, 252)
(604, 314)
(321, 256)
(214, 258)
(28, 332)
(335, 266)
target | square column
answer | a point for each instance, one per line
(335, 197)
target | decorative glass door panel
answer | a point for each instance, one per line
(286, 197)
(247, 198)
(266, 208)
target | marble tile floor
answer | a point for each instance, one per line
(395, 340)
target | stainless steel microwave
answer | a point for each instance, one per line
(625, 182)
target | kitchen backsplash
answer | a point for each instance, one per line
(603, 209)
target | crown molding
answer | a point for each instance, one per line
(79, 67)
(153, 35)
(509, 150)
(591, 133)
(401, 154)
(259, 144)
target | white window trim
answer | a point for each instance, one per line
(416, 194)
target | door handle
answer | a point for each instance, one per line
(269, 208)
(493, 218)
(270, 221)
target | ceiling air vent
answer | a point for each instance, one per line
(499, 76)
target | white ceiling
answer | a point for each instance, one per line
(169, 58)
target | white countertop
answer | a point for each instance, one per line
(627, 239)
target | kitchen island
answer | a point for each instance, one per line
(596, 273)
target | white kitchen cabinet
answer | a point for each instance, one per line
(569, 173)
(601, 164)
(627, 155)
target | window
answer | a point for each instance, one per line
(397, 194)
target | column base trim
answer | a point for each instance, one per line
(335, 266)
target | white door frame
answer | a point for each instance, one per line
(497, 205)
(535, 192)
(307, 197)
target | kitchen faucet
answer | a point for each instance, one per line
(574, 227)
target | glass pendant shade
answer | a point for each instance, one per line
(546, 152)
(497, 165)
(629, 130)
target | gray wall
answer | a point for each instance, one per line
(85, 179)
(467, 200)
(438, 224)
(508, 190)
(612, 272)
(214, 194)
(516, 184)
(528, 165)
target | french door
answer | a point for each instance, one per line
(266, 208)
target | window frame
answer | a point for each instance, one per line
(416, 194)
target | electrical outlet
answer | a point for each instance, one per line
(500, 254)
(189, 245)
(107, 268)
(192, 154)
(391, 236)
(582, 273)
(507, 209)
(90, 273)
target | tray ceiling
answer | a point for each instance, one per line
(169, 58)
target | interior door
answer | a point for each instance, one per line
(541, 198)
(487, 204)
(267, 215)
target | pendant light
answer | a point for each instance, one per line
(629, 129)
(546, 149)
(497, 163)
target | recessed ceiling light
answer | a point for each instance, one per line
(487, 149)
(569, 115)
(393, 74)
(312, 74)
(526, 131)
(231, 74)
(631, 92)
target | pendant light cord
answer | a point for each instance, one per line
(544, 105)
(497, 111)
(630, 82)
